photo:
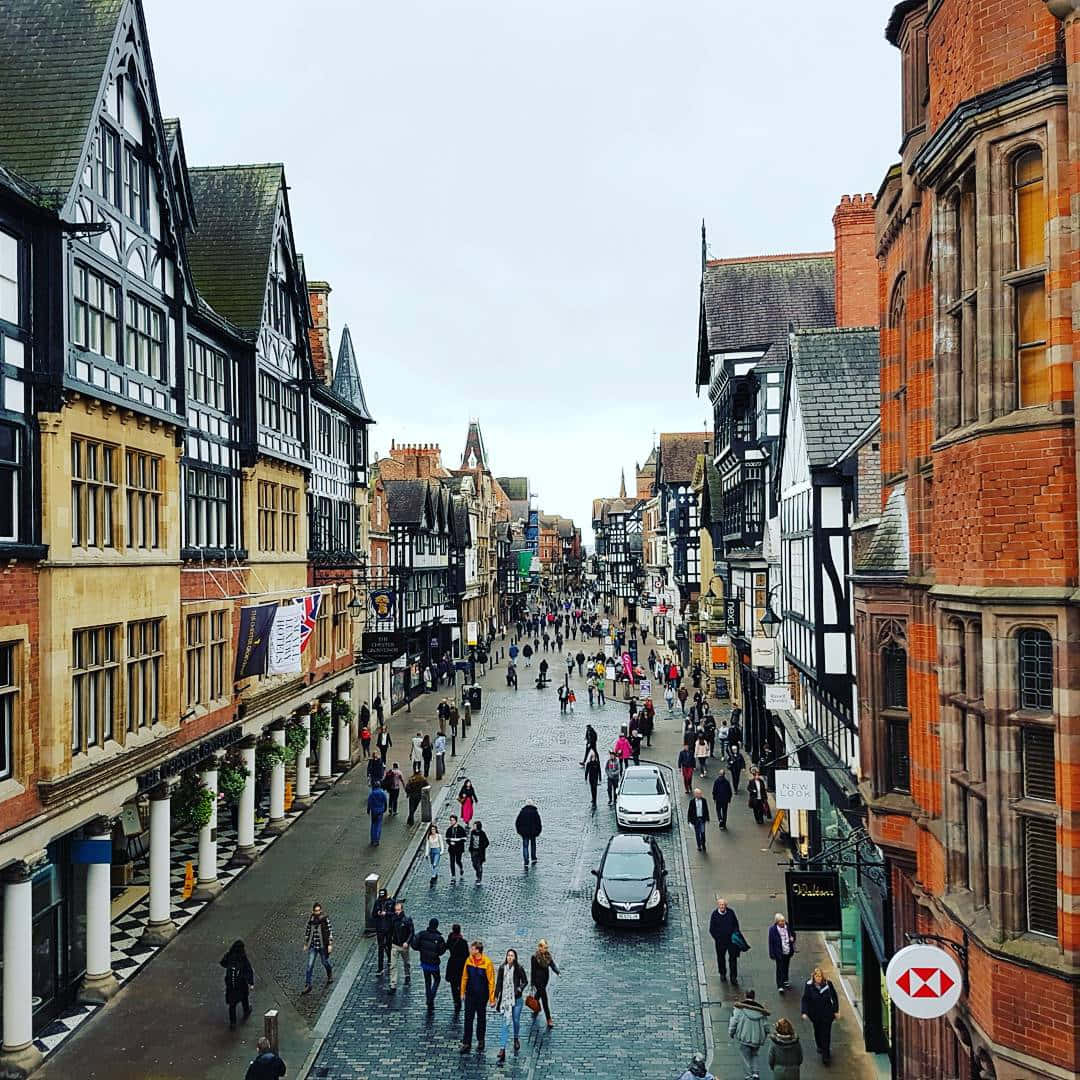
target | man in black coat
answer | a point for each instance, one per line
(758, 793)
(457, 837)
(478, 845)
(722, 925)
(401, 935)
(528, 828)
(266, 1065)
(382, 917)
(430, 944)
(697, 814)
(722, 794)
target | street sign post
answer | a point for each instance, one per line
(924, 981)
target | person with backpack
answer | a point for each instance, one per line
(430, 944)
(747, 1028)
(239, 980)
(318, 942)
(414, 789)
(266, 1065)
(365, 733)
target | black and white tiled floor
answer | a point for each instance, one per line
(129, 954)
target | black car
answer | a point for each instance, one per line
(631, 884)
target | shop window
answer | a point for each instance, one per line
(1040, 875)
(1036, 670)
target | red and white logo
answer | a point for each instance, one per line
(924, 981)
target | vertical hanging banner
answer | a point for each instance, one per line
(255, 626)
(286, 633)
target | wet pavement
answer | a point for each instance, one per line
(625, 1004)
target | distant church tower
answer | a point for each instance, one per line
(622, 485)
(474, 456)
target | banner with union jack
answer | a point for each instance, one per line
(310, 604)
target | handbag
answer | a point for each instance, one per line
(533, 1003)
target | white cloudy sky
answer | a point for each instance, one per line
(506, 195)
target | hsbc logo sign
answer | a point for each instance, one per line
(924, 981)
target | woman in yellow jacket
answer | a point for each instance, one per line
(478, 990)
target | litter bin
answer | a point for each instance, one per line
(474, 697)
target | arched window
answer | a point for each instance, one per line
(1035, 676)
(1029, 192)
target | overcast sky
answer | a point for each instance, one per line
(506, 195)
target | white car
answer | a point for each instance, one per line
(644, 801)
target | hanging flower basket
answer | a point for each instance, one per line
(296, 738)
(192, 803)
(342, 710)
(320, 725)
(232, 776)
(268, 754)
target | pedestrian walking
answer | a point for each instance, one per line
(580, 658)
(562, 692)
(426, 751)
(540, 968)
(701, 752)
(430, 944)
(697, 1070)
(669, 697)
(510, 983)
(528, 827)
(747, 1028)
(365, 738)
(647, 721)
(265, 1065)
(382, 916)
(785, 1051)
(377, 705)
(820, 1005)
(697, 814)
(435, 849)
(478, 845)
(758, 796)
(239, 981)
(781, 950)
(377, 802)
(592, 771)
(383, 742)
(375, 769)
(723, 925)
(401, 935)
(708, 725)
(467, 800)
(457, 950)
(440, 756)
(635, 746)
(443, 714)
(414, 790)
(623, 750)
(613, 772)
(571, 699)
(478, 990)
(600, 698)
(416, 751)
(686, 767)
(735, 763)
(682, 694)
(590, 740)
(527, 651)
(457, 836)
(590, 685)
(318, 943)
(393, 781)
(722, 795)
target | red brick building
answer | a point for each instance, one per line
(966, 617)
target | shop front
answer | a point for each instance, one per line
(763, 735)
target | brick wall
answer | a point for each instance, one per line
(856, 262)
(419, 461)
(319, 335)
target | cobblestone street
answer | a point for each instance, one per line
(625, 1004)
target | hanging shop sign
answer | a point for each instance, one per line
(382, 603)
(796, 789)
(924, 981)
(719, 655)
(777, 697)
(472, 633)
(813, 899)
(762, 651)
(382, 646)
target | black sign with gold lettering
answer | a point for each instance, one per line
(381, 646)
(813, 899)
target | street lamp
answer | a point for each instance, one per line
(356, 609)
(771, 622)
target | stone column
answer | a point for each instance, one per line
(302, 799)
(19, 1056)
(245, 838)
(159, 927)
(326, 772)
(343, 734)
(208, 886)
(277, 822)
(99, 984)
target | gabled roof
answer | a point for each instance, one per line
(837, 373)
(347, 383)
(460, 521)
(406, 501)
(230, 252)
(474, 456)
(53, 60)
(678, 452)
(750, 303)
(888, 552)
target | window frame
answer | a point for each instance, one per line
(11, 655)
(93, 496)
(95, 687)
(143, 499)
(144, 666)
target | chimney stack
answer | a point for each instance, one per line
(856, 262)
(319, 334)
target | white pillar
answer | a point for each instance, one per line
(208, 886)
(245, 818)
(303, 769)
(19, 1055)
(159, 927)
(326, 771)
(277, 783)
(99, 984)
(343, 733)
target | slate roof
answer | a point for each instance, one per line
(678, 454)
(474, 447)
(230, 253)
(516, 487)
(750, 303)
(461, 520)
(837, 373)
(53, 56)
(888, 551)
(347, 383)
(405, 501)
